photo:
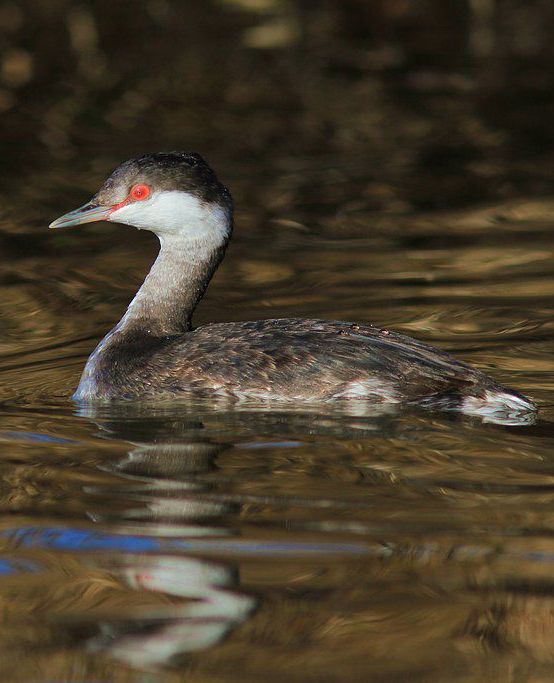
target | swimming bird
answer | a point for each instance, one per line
(155, 352)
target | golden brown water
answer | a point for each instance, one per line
(199, 542)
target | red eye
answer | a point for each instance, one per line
(139, 192)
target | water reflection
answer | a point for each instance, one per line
(159, 471)
(356, 531)
(158, 513)
(391, 163)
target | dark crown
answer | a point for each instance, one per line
(182, 171)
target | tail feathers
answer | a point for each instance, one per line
(498, 406)
(501, 406)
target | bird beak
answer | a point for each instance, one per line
(88, 213)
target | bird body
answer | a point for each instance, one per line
(290, 359)
(154, 351)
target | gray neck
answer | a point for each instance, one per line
(164, 305)
(175, 284)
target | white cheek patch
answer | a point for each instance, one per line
(175, 212)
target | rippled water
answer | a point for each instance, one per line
(139, 543)
(378, 176)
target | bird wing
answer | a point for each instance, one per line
(315, 358)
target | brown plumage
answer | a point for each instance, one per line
(154, 351)
(291, 358)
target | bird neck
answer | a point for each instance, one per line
(176, 282)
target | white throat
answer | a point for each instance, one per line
(193, 236)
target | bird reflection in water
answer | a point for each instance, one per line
(164, 477)
(160, 470)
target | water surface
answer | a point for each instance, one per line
(231, 542)
(219, 543)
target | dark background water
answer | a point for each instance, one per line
(391, 161)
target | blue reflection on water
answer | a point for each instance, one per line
(84, 540)
(16, 566)
(35, 438)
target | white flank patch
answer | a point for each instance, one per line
(369, 389)
(172, 212)
(500, 407)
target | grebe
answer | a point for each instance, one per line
(154, 352)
